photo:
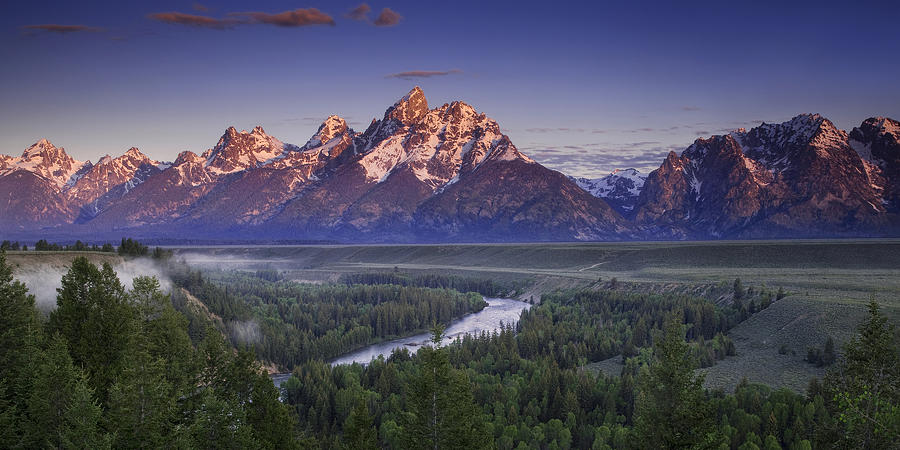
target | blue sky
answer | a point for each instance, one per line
(583, 87)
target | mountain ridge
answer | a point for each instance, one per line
(448, 173)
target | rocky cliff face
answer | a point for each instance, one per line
(877, 141)
(798, 178)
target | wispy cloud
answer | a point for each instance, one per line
(61, 29)
(194, 20)
(596, 160)
(200, 7)
(387, 18)
(690, 108)
(560, 130)
(413, 74)
(361, 12)
(296, 18)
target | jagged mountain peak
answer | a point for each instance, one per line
(441, 145)
(410, 108)
(717, 143)
(883, 125)
(187, 156)
(231, 133)
(620, 188)
(50, 162)
(42, 147)
(877, 140)
(777, 146)
(333, 126)
(800, 130)
(134, 152)
(459, 116)
(240, 150)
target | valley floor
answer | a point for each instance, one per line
(828, 283)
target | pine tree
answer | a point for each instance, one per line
(442, 412)
(81, 422)
(238, 380)
(141, 407)
(359, 433)
(866, 385)
(739, 292)
(165, 333)
(671, 407)
(218, 424)
(20, 340)
(55, 381)
(94, 316)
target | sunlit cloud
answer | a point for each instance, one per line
(387, 18)
(200, 7)
(296, 18)
(361, 12)
(61, 29)
(194, 20)
(413, 74)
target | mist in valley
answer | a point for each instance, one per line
(43, 280)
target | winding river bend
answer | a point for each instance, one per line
(499, 311)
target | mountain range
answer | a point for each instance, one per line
(449, 174)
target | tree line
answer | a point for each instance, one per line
(299, 322)
(127, 247)
(482, 286)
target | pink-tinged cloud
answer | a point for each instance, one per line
(361, 12)
(295, 18)
(387, 18)
(193, 20)
(61, 29)
(412, 74)
(200, 7)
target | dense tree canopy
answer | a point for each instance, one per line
(135, 368)
(116, 368)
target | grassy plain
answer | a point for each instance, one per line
(828, 282)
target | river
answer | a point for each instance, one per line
(498, 311)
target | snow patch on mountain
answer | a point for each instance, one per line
(613, 184)
(46, 160)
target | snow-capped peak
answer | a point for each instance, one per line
(41, 146)
(888, 125)
(330, 128)
(48, 161)
(409, 109)
(774, 145)
(609, 184)
(242, 150)
(438, 145)
(186, 157)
